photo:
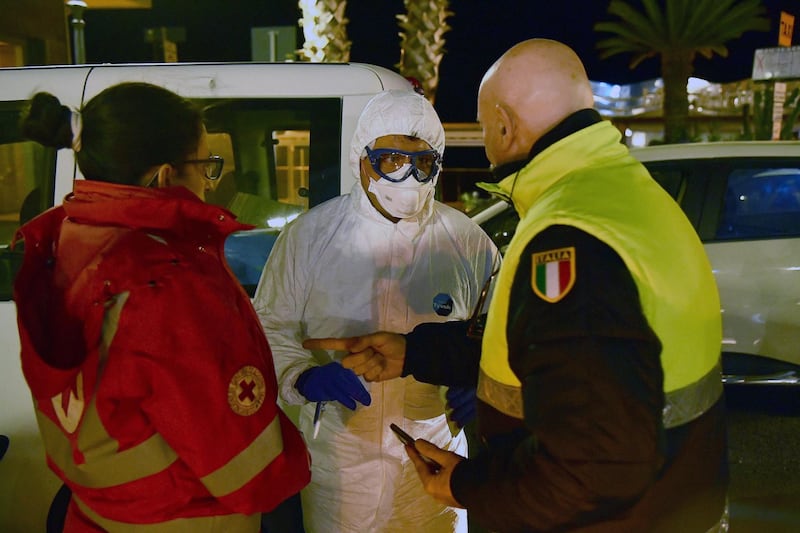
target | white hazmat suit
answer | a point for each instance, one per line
(342, 269)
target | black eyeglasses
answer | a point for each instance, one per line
(212, 166)
(477, 321)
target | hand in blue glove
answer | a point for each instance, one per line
(462, 403)
(332, 382)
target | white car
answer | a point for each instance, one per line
(743, 198)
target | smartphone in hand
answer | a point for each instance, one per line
(408, 440)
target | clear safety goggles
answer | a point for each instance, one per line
(424, 164)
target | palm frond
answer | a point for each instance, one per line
(621, 29)
(635, 19)
(700, 25)
(722, 20)
(721, 50)
(677, 11)
(639, 58)
(709, 51)
(742, 17)
(618, 45)
(697, 22)
(654, 14)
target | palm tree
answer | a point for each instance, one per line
(324, 31)
(677, 34)
(421, 38)
(422, 42)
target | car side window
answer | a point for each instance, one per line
(671, 180)
(686, 180)
(501, 228)
(282, 156)
(27, 172)
(761, 203)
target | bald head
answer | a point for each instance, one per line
(531, 88)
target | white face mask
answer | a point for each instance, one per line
(403, 199)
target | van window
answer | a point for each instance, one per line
(761, 203)
(26, 187)
(282, 156)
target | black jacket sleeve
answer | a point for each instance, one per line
(442, 354)
(592, 396)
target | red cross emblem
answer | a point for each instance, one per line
(246, 391)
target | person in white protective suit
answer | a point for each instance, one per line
(386, 256)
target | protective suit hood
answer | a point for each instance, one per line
(396, 112)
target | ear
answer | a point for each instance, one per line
(506, 126)
(166, 175)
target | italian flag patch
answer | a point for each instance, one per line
(553, 273)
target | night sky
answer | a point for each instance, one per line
(481, 30)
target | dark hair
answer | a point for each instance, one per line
(127, 129)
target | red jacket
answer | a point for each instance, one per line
(152, 379)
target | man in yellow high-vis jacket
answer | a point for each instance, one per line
(600, 399)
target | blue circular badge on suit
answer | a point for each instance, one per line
(443, 304)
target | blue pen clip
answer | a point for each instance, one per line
(317, 417)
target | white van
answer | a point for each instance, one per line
(284, 130)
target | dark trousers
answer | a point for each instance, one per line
(287, 517)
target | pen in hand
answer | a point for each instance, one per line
(317, 417)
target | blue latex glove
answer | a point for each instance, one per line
(332, 382)
(462, 403)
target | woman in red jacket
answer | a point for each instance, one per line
(152, 380)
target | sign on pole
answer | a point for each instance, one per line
(776, 63)
(777, 109)
(786, 29)
(784, 63)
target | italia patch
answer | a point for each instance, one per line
(246, 391)
(553, 273)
